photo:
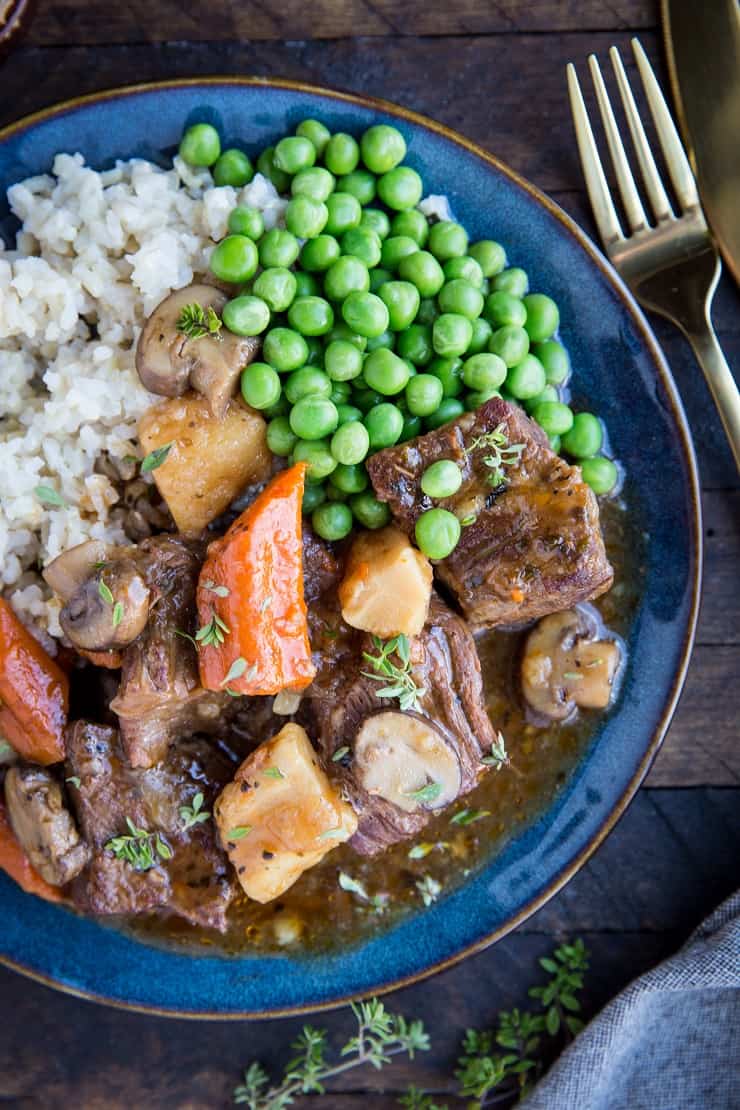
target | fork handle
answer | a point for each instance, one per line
(720, 381)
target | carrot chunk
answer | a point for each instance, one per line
(253, 635)
(15, 862)
(34, 693)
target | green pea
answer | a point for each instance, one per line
(449, 372)
(400, 188)
(465, 267)
(347, 275)
(246, 315)
(449, 410)
(526, 379)
(316, 454)
(260, 385)
(451, 334)
(394, 249)
(383, 147)
(365, 313)
(352, 478)
(306, 218)
(342, 360)
(368, 511)
(313, 417)
(266, 166)
(277, 288)
(315, 183)
(378, 277)
(278, 248)
(448, 239)
(341, 154)
(442, 479)
(306, 285)
(384, 423)
(340, 392)
(385, 339)
(246, 221)
(424, 271)
(350, 444)
(554, 358)
(280, 436)
(484, 371)
(428, 311)
(412, 224)
(514, 281)
(549, 393)
(510, 343)
(585, 438)
(314, 495)
(332, 521)
(320, 253)
(402, 301)
(360, 184)
(234, 259)
(311, 315)
(482, 332)
(348, 413)
(315, 349)
(344, 213)
(284, 349)
(342, 331)
(543, 317)
(280, 408)
(412, 427)
(307, 381)
(315, 132)
(375, 219)
(437, 533)
(600, 474)
(385, 372)
(460, 297)
(490, 256)
(475, 398)
(415, 343)
(502, 308)
(294, 153)
(555, 443)
(553, 417)
(363, 244)
(200, 145)
(233, 168)
(366, 399)
(424, 394)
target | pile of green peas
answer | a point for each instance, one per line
(378, 325)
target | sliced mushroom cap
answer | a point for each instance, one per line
(405, 759)
(73, 567)
(168, 361)
(109, 610)
(43, 825)
(566, 665)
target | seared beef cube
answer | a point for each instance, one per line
(195, 882)
(533, 544)
(397, 767)
(43, 825)
(321, 569)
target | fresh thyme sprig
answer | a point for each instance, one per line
(378, 902)
(139, 847)
(212, 633)
(502, 453)
(498, 756)
(194, 814)
(400, 681)
(380, 1036)
(195, 322)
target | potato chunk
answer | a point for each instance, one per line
(210, 461)
(387, 585)
(280, 815)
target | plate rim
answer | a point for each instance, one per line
(685, 442)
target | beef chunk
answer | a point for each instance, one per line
(160, 696)
(43, 825)
(321, 570)
(534, 546)
(196, 882)
(450, 714)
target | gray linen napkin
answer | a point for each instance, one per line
(670, 1041)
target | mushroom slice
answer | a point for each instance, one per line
(405, 759)
(73, 567)
(168, 361)
(43, 825)
(109, 610)
(567, 664)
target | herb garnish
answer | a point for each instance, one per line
(429, 889)
(138, 849)
(420, 851)
(469, 816)
(354, 886)
(499, 756)
(339, 754)
(219, 591)
(105, 592)
(401, 684)
(573, 676)
(194, 814)
(195, 322)
(502, 453)
(239, 832)
(155, 458)
(424, 794)
(329, 833)
(49, 496)
(273, 773)
(214, 633)
(74, 779)
(117, 613)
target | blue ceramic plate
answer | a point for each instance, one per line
(617, 367)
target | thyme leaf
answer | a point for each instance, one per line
(501, 453)
(196, 322)
(213, 633)
(239, 832)
(194, 814)
(49, 496)
(469, 816)
(155, 458)
(139, 847)
(219, 591)
(105, 592)
(273, 773)
(499, 757)
(399, 679)
(424, 794)
(429, 889)
(117, 613)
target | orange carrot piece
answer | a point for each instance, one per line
(16, 863)
(34, 693)
(252, 581)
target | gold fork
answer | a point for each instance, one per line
(671, 265)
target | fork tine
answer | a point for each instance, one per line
(675, 156)
(605, 213)
(650, 175)
(636, 217)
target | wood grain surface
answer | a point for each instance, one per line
(494, 71)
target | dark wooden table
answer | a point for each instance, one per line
(495, 71)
